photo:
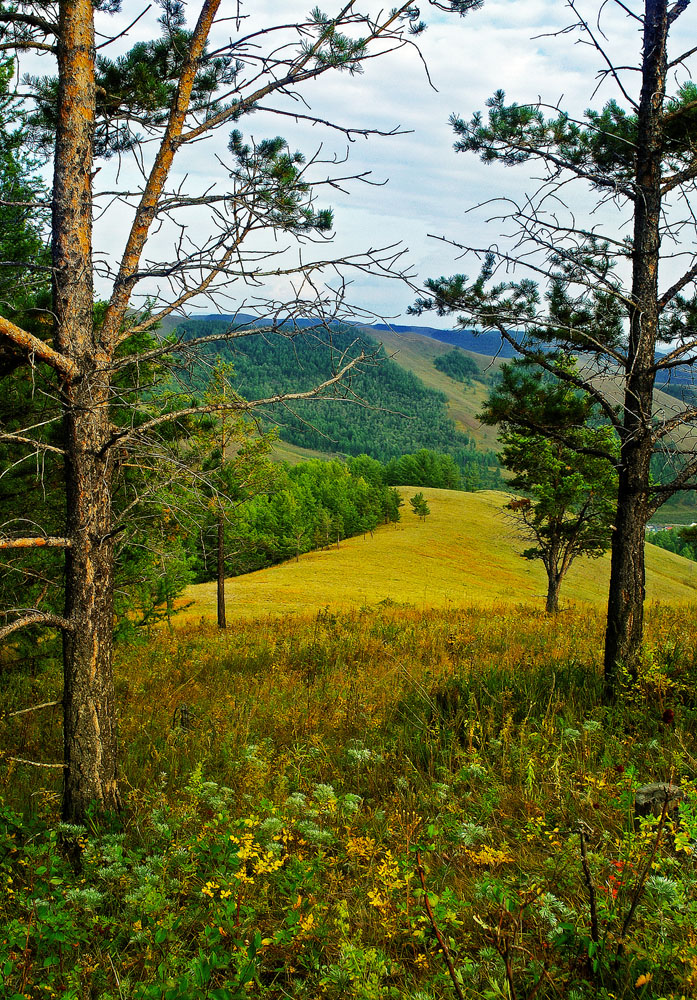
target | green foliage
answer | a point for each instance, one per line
(310, 505)
(135, 91)
(425, 468)
(274, 175)
(271, 851)
(561, 460)
(29, 488)
(385, 412)
(458, 366)
(681, 541)
(419, 505)
(513, 134)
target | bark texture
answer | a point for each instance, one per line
(624, 633)
(222, 622)
(553, 585)
(88, 696)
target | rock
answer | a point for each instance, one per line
(650, 799)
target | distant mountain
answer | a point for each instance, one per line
(680, 382)
(488, 344)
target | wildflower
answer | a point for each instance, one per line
(489, 856)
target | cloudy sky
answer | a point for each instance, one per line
(517, 46)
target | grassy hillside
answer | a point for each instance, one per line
(464, 553)
(417, 352)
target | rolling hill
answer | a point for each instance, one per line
(464, 553)
(411, 403)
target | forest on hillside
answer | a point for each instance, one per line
(383, 410)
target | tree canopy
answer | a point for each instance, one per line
(560, 455)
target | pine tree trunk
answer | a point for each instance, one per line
(624, 633)
(89, 726)
(222, 622)
(88, 693)
(553, 585)
(625, 619)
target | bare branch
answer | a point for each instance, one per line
(683, 417)
(683, 57)
(36, 618)
(32, 348)
(585, 385)
(24, 46)
(30, 21)
(39, 445)
(601, 51)
(345, 129)
(36, 542)
(677, 287)
(126, 29)
(678, 8)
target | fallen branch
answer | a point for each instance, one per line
(436, 931)
(33, 763)
(595, 936)
(34, 708)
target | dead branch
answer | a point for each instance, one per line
(36, 618)
(32, 348)
(39, 542)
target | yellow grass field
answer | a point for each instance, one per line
(466, 552)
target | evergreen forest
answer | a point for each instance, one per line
(383, 411)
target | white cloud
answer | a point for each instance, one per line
(513, 45)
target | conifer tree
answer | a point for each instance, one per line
(622, 298)
(563, 462)
(153, 103)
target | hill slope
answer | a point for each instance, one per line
(417, 352)
(464, 553)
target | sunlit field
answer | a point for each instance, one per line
(465, 552)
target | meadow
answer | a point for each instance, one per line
(380, 801)
(466, 551)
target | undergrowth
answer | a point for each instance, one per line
(378, 804)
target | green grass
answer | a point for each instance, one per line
(465, 552)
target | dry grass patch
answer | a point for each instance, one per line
(465, 552)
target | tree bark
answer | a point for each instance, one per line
(553, 586)
(624, 633)
(222, 622)
(88, 694)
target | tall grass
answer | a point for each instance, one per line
(280, 778)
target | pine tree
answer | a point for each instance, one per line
(563, 462)
(637, 154)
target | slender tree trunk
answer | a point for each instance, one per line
(88, 694)
(222, 622)
(627, 577)
(550, 561)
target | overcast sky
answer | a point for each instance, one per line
(508, 44)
